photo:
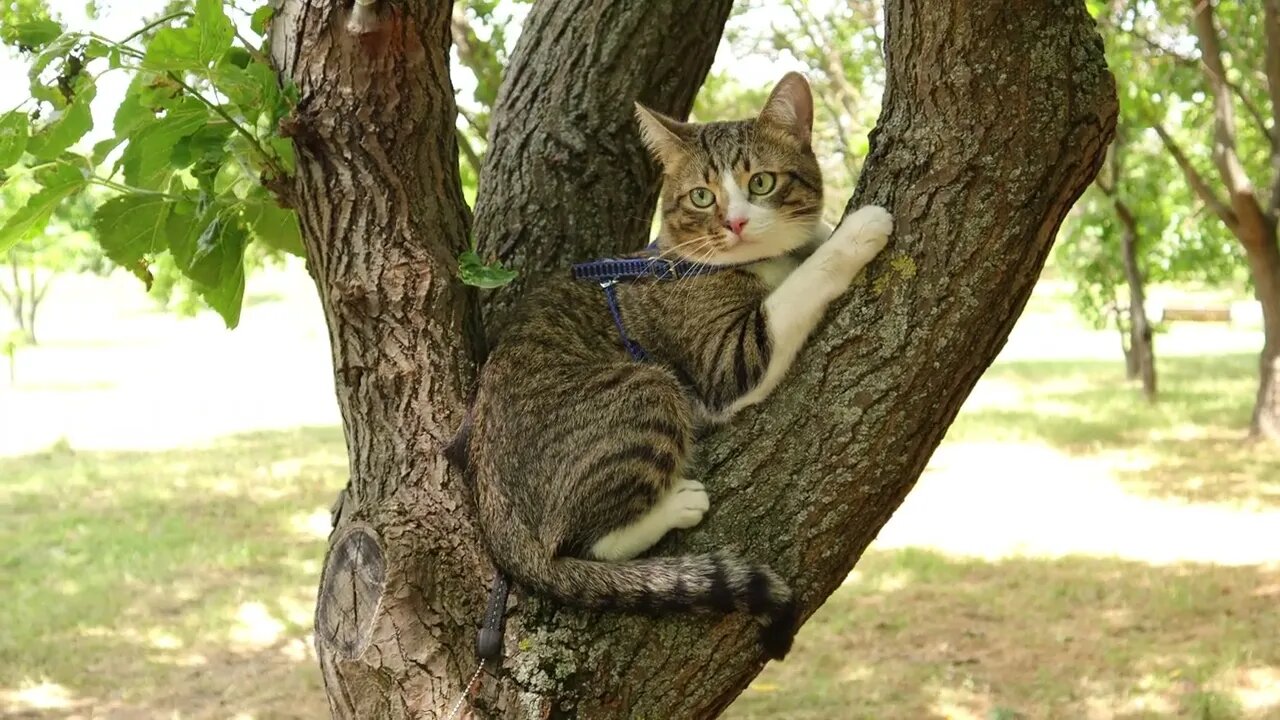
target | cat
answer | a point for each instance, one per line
(574, 452)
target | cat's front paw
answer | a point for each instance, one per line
(687, 503)
(864, 232)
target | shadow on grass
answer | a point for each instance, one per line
(142, 584)
(1191, 445)
(918, 634)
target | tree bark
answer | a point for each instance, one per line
(565, 176)
(383, 219)
(1141, 354)
(1263, 253)
(993, 124)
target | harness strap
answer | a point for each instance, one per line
(608, 272)
(611, 298)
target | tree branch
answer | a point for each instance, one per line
(1251, 108)
(1225, 155)
(565, 175)
(1196, 181)
(891, 366)
(1271, 21)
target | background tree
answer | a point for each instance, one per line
(1219, 66)
(979, 169)
(1139, 223)
(29, 269)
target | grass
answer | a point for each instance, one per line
(1187, 446)
(141, 583)
(1070, 553)
(918, 634)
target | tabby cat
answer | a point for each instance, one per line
(575, 452)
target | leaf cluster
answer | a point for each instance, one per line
(194, 144)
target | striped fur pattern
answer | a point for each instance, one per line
(576, 455)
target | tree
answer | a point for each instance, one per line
(1140, 359)
(404, 544)
(1238, 62)
(1139, 223)
(979, 168)
(28, 270)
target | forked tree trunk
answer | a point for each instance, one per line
(994, 122)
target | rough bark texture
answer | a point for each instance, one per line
(383, 219)
(566, 177)
(995, 121)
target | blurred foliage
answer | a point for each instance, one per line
(1153, 52)
(194, 150)
(196, 147)
(27, 270)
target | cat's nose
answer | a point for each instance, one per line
(736, 225)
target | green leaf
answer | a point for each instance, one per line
(261, 18)
(473, 271)
(65, 130)
(272, 225)
(252, 88)
(194, 47)
(211, 253)
(33, 33)
(207, 143)
(98, 49)
(176, 49)
(59, 48)
(60, 182)
(131, 227)
(214, 27)
(147, 158)
(13, 137)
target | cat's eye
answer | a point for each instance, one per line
(702, 197)
(762, 183)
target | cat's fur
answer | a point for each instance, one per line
(575, 452)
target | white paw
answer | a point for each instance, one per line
(867, 230)
(687, 503)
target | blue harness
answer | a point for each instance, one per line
(608, 272)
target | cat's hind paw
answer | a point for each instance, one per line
(687, 503)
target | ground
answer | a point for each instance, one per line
(1069, 553)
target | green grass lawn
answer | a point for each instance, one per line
(178, 582)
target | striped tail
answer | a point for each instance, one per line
(718, 582)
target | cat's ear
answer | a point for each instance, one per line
(665, 137)
(790, 107)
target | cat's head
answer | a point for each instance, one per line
(738, 191)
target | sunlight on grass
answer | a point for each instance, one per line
(1077, 637)
(178, 574)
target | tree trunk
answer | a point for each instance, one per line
(1126, 345)
(1141, 356)
(35, 294)
(17, 302)
(1263, 253)
(565, 176)
(994, 122)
